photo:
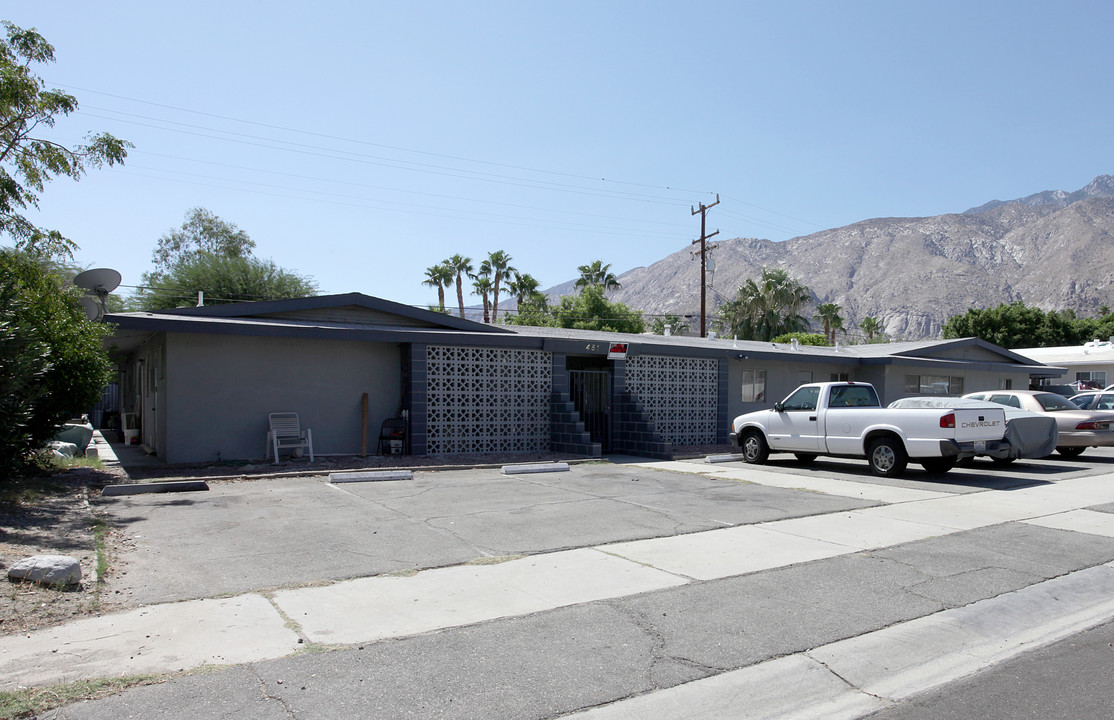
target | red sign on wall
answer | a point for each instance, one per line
(617, 351)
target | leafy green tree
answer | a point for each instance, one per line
(211, 256)
(499, 263)
(676, 325)
(202, 232)
(222, 280)
(802, 338)
(597, 273)
(765, 309)
(462, 268)
(871, 327)
(439, 276)
(590, 310)
(532, 310)
(1016, 325)
(828, 314)
(28, 162)
(52, 364)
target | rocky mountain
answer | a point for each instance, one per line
(1052, 249)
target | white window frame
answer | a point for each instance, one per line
(754, 386)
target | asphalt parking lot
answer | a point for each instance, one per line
(609, 592)
(272, 533)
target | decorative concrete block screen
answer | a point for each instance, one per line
(484, 400)
(679, 394)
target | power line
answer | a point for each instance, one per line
(457, 214)
(398, 190)
(380, 145)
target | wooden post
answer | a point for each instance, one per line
(363, 430)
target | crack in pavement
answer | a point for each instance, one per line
(658, 644)
(267, 695)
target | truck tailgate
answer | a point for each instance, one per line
(979, 424)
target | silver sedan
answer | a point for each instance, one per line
(1079, 429)
(1096, 400)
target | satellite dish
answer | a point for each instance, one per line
(91, 307)
(100, 282)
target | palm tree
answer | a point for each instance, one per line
(597, 274)
(500, 264)
(439, 276)
(522, 286)
(461, 266)
(870, 326)
(768, 308)
(482, 286)
(828, 313)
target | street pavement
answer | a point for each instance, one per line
(622, 590)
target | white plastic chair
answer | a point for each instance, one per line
(286, 433)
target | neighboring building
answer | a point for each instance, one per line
(202, 380)
(1087, 366)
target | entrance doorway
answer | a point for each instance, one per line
(590, 389)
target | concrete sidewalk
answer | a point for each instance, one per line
(171, 637)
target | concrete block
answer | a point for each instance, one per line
(535, 468)
(155, 487)
(372, 476)
(723, 458)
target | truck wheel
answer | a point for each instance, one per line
(1070, 452)
(887, 457)
(754, 446)
(938, 465)
(805, 458)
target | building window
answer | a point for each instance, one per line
(804, 377)
(933, 385)
(1094, 379)
(1005, 383)
(840, 377)
(754, 386)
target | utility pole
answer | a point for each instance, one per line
(703, 259)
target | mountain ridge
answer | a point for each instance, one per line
(1050, 249)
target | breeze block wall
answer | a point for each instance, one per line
(484, 400)
(680, 395)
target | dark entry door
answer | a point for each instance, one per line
(591, 395)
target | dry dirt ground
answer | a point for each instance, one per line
(58, 522)
(62, 522)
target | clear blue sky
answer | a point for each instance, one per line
(361, 142)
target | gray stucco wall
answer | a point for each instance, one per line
(781, 379)
(220, 389)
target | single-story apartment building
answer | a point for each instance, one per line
(1087, 365)
(201, 381)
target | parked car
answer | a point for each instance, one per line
(845, 419)
(1029, 434)
(1079, 429)
(1094, 400)
(1065, 390)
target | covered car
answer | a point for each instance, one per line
(1079, 429)
(1030, 434)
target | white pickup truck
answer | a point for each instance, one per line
(845, 419)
